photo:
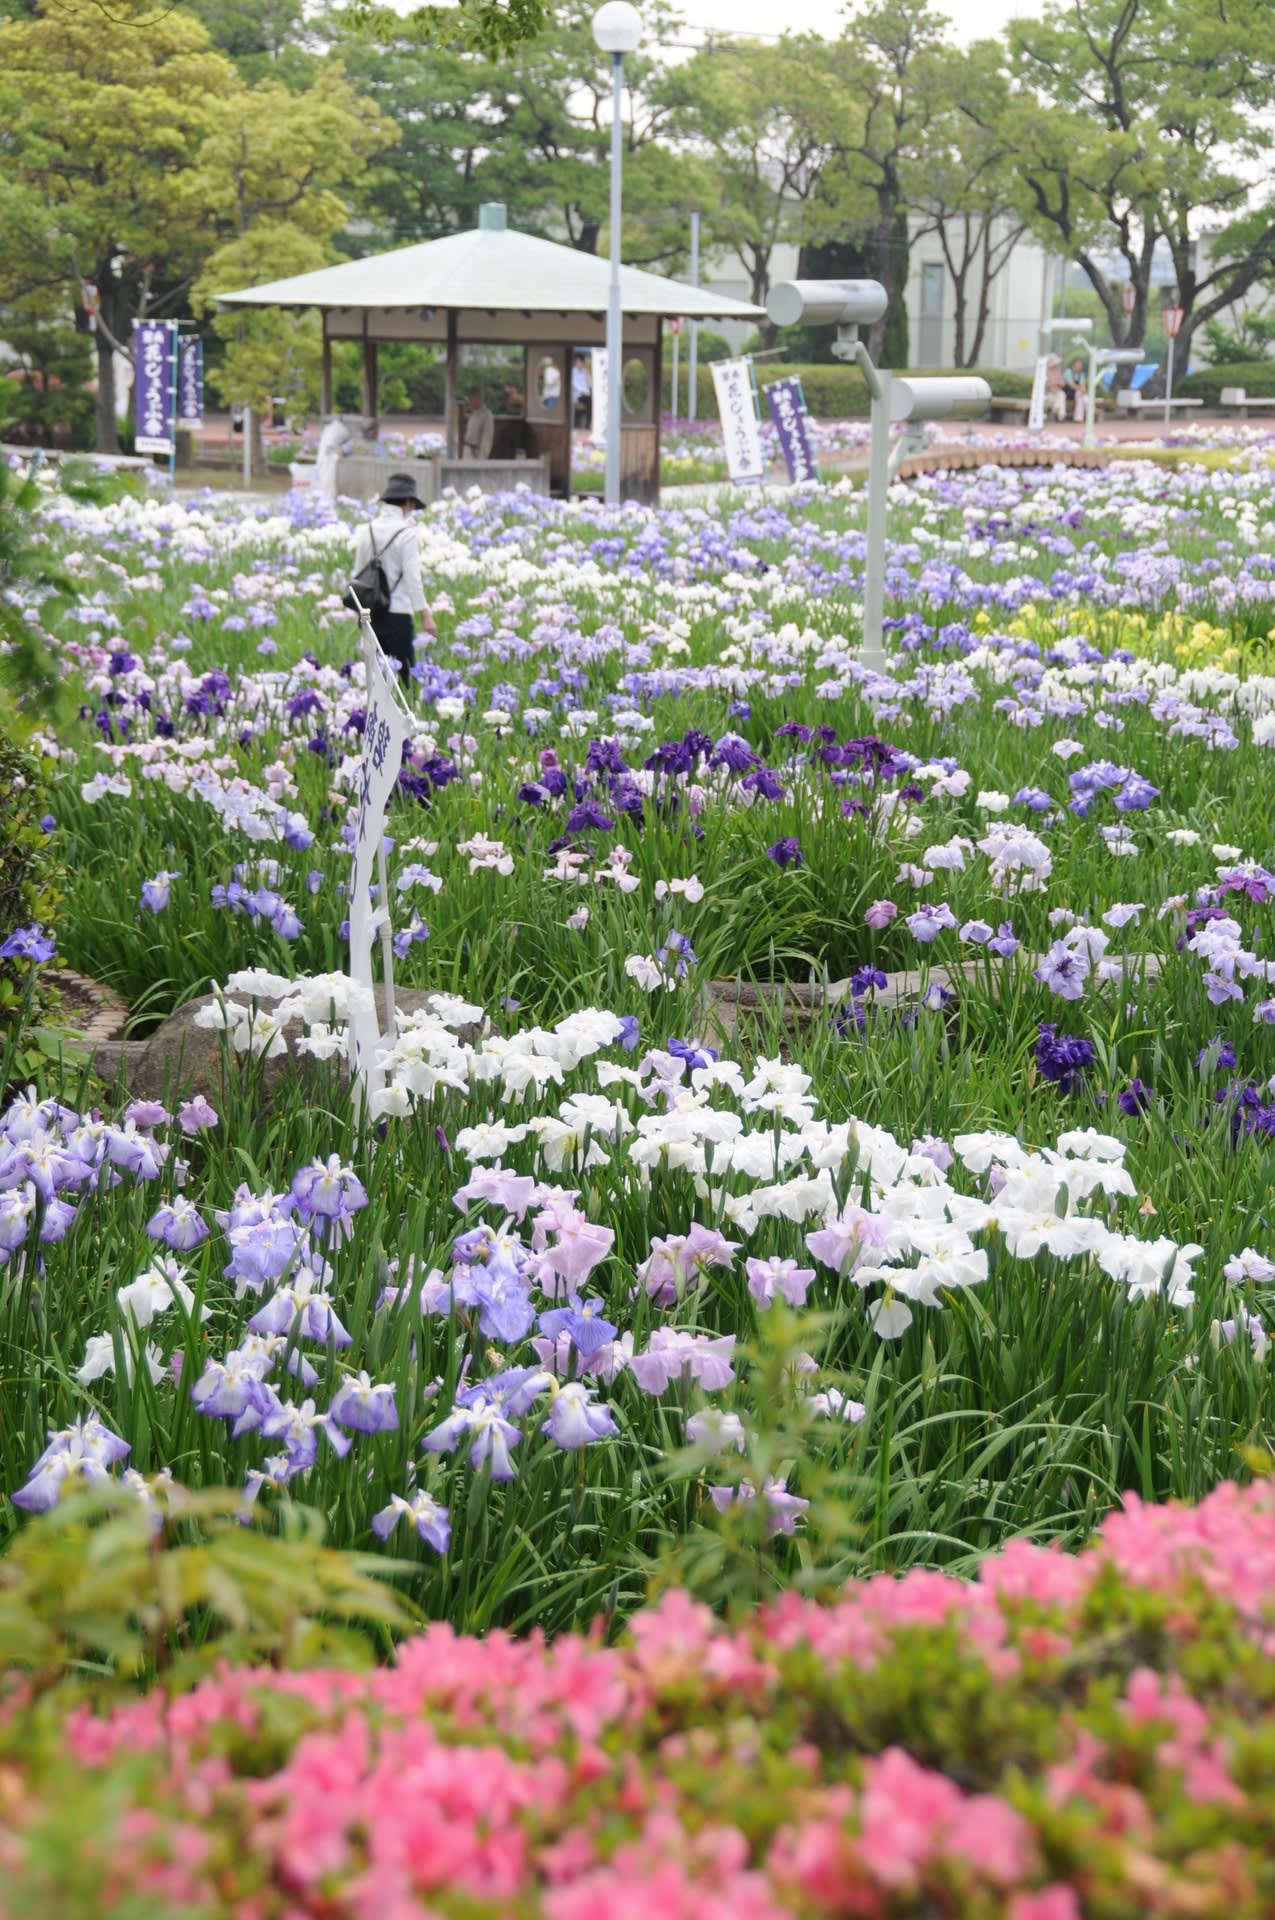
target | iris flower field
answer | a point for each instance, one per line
(829, 1141)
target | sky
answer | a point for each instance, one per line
(971, 19)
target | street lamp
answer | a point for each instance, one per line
(617, 29)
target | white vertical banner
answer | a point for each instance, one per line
(741, 432)
(598, 424)
(1036, 412)
(387, 728)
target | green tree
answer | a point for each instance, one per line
(1133, 121)
(432, 183)
(264, 38)
(962, 189)
(102, 128)
(772, 118)
(890, 69)
(548, 117)
(276, 167)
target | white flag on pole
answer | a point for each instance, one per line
(387, 728)
(741, 433)
(598, 373)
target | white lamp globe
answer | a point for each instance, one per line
(617, 27)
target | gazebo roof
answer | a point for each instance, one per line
(490, 269)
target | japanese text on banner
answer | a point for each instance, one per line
(787, 404)
(190, 383)
(741, 432)
(385, 732)
(153, 385)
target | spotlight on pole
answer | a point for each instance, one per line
(849, 305)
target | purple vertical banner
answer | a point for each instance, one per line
(153, 384)
(787, 405)
(190, 383)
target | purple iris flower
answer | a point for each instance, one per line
(1063, 971)
(501, 1294)
(29, 943)
(432, 1521)
(365, 1407)
(327, 1189)
(1135, 1098)
(787, 852)
(493, 1437)
(583, 1323)
(309, 1316)
(261, 1251)
(1061, 1057)
(178, 1225)
(156, 892)
(575, 1420)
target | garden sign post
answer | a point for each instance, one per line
(786, 400)
(155, 390)
(740, 432)
(386, 730)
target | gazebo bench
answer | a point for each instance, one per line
(1238, 400)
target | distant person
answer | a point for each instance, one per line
(337, 435)
(581, 392)
(394, 540)
(480, 427)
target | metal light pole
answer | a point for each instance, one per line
(617, 29)
(692, 410)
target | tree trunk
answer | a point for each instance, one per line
(889, 270)
(108, 438)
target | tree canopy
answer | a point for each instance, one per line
(154, 156)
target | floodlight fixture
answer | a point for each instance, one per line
(826, 303)
(963, 397)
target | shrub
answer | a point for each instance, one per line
(838, 392)
(1257, 377)
(1058, 1736)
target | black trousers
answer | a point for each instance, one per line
(396, 637)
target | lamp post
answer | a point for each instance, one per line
(617, 29)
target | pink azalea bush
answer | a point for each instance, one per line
(1061, 1738)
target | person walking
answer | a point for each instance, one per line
(394, 540)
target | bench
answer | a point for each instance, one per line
(1002, 405)
(1130, 400)
(1238, 400)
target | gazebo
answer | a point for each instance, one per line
(494, 286)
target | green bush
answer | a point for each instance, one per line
(1257, 377)
(837, 392)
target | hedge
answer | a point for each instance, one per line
(839, 392)
(1257, 377)
(1061, 1737)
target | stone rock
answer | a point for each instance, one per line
(181, 1058)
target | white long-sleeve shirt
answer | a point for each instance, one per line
(401, 559)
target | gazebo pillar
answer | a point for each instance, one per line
(450, 396)
(371, 396)
(325, 373)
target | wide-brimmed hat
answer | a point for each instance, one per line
(400, 488)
